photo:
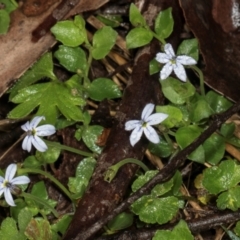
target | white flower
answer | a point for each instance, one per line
(8, 183)
(144, 125)
(173, 63)
(33, 133)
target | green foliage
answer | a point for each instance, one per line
(189, 47)
(181, 229)
(136, 17)
(162, 149)
(24, 217)
(110, 20)
(50, 156)
(102, 88)
(237, 228)
(61, 225)
(227, 129)
(84, 171)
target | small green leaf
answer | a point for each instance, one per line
(161, 189)
(61, 224)
(9, 5)
(221, 178)
(176, 91)
(90, 135)
(237, 228)
(217, 102)
(181, 229)
(164, 24)
(79, 183)
(4, 20)
(227, 129)
(24, 217)
(121, 221)
(138, 37)
(68, 33)
(136, 18)
(102, 88)
(42, 68)
(189, 47)
(31, 162)
(229, 199)
(174, 115)
(214, 148)
(162, 149)
(155, 210)
(73, 59)
(154, 67)
(110, 20)
(103, 41)
(49, 156)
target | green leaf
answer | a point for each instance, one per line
(138, 37)
(200, 110)
(136, 18)
(121, 221)
(162, 149)
(176, 91)
(164, 23)
(31, 162)
(230, 233)
(4, 20)
(103, 41)
(50, 98)
(217, 102)
(155, 210)
(237, 228)
(141, 180)
(79, 183)
(174, 115)
(24, 217)
(181, 229)
(61, 224)
(214, 148)
(110, 20)
(221, 178)
(42, 68)
(227, 129)
(189, 47)
(90, 135)
(9, 230)
(73, 59)
(154, 67)
(102, 88)
(161, 189)
(49, 156)
(68, 33)
(38, 229)
(9, 5)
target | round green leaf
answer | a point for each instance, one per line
(162, 149)
(73, 59)
(154, 67)
(176, 91)
(49, 156)
(138, 37)
(198, 155)
(135, 16)
(164, 23)
(68, 33)
(102, 88)
(103, 41)
(227, 129)
(174, 115)
(189, 47)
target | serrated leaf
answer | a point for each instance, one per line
(138, 37)
(79, 183)
(155, 210)
(189, 47)
(42, 68)
(102, 88)
(73, 59)
(103, 41)
(164, 23)
(176, 91)
(90, 135)
(181, 229)
(221, 178)
(50, 98)
(136, 17)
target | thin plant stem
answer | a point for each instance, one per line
(200, 74)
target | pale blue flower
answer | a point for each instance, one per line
(173, 63)
(8, 183)
(145, 125)
(33, 133)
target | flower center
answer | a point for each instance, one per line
(173, 60)
(6, 184)
(143, 123)
(31, 132)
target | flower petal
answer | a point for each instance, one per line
(27, 143)
(45, 130)
(20, 180)
(180, 72)
(39, 144)
(186, 60)
(130, 125)
(156, 118)
(2, 190)
(26, 127)
(166, 70)
(151, 134)
(10, 172)
(148, 109)
(136, 135)
(162, 57)
(1, 179)
(8, 197)
(169, 50)
(35, 121)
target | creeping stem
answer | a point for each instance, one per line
(200, 74)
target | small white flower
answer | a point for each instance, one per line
(33, 133)
(144, 125)
(173, 63)
(8, 183)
